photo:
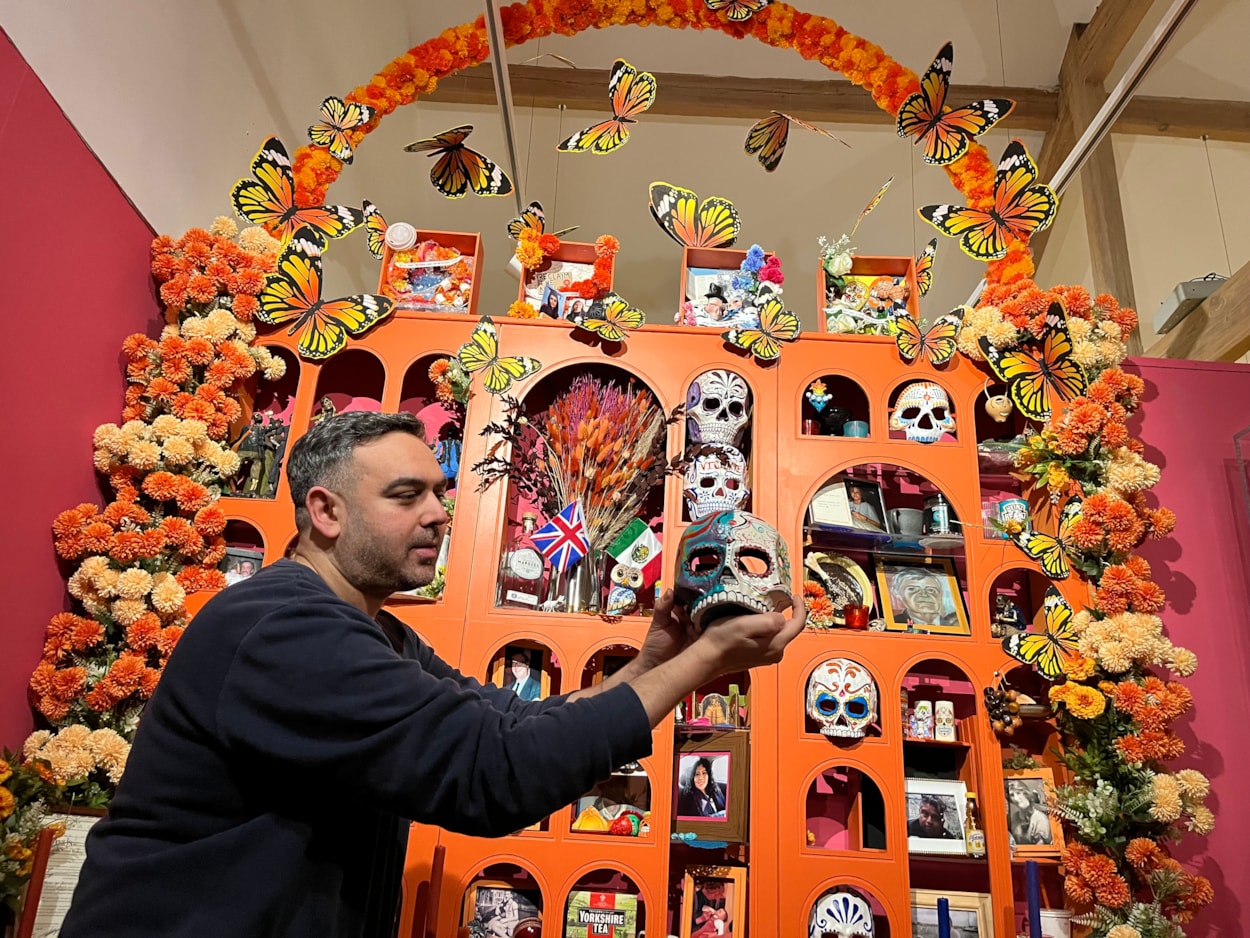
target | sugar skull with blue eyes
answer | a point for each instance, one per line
(732, 563)
(842, 698)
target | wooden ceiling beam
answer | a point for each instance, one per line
(1218, 330)
(1106, 36)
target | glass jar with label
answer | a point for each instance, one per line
(938, 516)
(523, 570)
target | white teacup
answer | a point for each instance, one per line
(906, 520)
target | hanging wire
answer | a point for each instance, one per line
(1215, 192)
(555, 196)
(529, 141)
(1002, 60)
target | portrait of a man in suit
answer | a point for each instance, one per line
(522, 670)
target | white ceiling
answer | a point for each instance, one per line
(176, 98)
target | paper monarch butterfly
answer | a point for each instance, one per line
(777, 324)
(872, 203)
(1053, 651)
(946, 132)
(1039, 378)
(293, 295)
(1051, 550)
(737, 10)
(375, 228)
(1022, 207)
(768, 138)
(337, 118)
(924, 267)
(612, 318)
(631, 92)
(937, 344)
(458, 168)
(712, 223)
(481, 353)
(533, 218)
(269, 200)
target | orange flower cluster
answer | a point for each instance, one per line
(1127, 587)
(820, 608)
(600, 281)
(1092, 877)
(1153, 703)
(1111, 524)
(519, 309)
(1147, 857)
(199, 267)
(159, 371)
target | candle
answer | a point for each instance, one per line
(855, 616)
(1034, 893)
(944, 918)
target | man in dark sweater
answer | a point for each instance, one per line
(298, 727)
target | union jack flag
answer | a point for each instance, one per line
(563, 539)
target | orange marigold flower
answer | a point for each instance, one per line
(813, 590)
(1121, 541)
(1162, 522)
(141, 635)
(176, 370)
(1118, 580)
(199, 351)
(1149, 597)
(244, 307)
(191, 496)
(1143, 854)
(606, 245)
(548, 244)
(1131, 749)
(148, 681)
(87, 632)
(67, 683)
(117, 512)
(210, 521)
(168, 639)
(1138, 566)
(137, 347)
(822, 608)
(1128, 696)
(126, 546)
(101, 697)
(1200, 892)
(178, 531)
(174, 292)
(162, 486)
(1086, 535)
(201, 289)
(1077, 889)
(153, 543)
(125, 673)
(72, 519)
(41, 679)
(522, 310)
(438, 370)
(248, 282)
(97, 536)
(54, 710)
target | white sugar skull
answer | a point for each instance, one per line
(923, 411)
(716, 481)
(718, 406)
(842, 698)
(843, 914)
(732, 563)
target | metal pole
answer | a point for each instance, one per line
(503, 94)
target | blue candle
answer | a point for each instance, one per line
(944, 918)
(1034, 892)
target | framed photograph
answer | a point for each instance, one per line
(713, 901)
(498, 909)
(711, 787)
(241, 563)
(971, 913)
(830, 506)
(523, 670)
(920, 593)
(609, 661)
(843, 580)
(595, 914)
(864, 504)
(575, 306)
(1032, 829)
(935, 816)
(553, 302)
(716, 709)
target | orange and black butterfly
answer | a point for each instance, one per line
(459, 169)
(1051, 551)
(777, 324)
(337, 118)
(269, 200)
(712, 223)
(768, 138)
(612, 318)
(1043, 375)
(924, 267)
(1022, 207)
(631, 93)
(533, 218)
(375, 227)
(937, 344)
(292, 295)
(946, 132)
(737, 10)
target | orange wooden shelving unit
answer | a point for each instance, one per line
(787, 467)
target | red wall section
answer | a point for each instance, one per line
(74, 282)
(1191, 412)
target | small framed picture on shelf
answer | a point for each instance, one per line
(498, 908)
(717, 710)
(1032, 829)
(587, 914)
(920, 593)
(971, 913)
(609, 661)
(553, 302)
(935, 816)
(524, 671)
(241, 563)
(867, 511)
(712, 786)
(713, 901)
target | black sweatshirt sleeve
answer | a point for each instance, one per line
(315, 692)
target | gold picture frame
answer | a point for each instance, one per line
(1033, 828)
(971, 912)
(539, 658)
(484, 896)
(896, 571)
(840, 577)
(711, 893)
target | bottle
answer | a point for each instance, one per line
(523, 570)
(974, 837)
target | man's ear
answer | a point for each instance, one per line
(325, 509)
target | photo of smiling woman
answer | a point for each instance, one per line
(704, 786)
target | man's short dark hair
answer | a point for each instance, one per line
(320, 455)
(934, 801)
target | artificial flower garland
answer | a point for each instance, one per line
(533, 248)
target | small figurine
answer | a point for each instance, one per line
(327, 409)
(447, 452)
(1007, 618)
(623, 596)
(250, 449)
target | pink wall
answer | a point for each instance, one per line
(1191, 412)
(75, 282)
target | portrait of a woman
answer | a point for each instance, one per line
(701, 795)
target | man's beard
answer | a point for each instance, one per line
(374, 573)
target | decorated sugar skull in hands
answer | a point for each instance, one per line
(732, 563)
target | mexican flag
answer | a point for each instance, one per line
(638, 546)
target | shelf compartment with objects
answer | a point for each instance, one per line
(429, 278)
(708, 274)
(854, 303)
(571, 262)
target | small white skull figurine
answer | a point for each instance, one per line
(841, 914)
(842, 698)
(716, 481)
(718, 406)
(732, 563)
(923, 411)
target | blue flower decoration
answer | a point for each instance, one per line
(754, 260)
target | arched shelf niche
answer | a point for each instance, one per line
(352, 380)
(503, 899)
(830, 402)
(845, 811)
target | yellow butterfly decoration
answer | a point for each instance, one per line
(1051, 550)
(611, 319)
(338, 117)
(777, 324)
(481, 353)
(375, 227)
(1053, 651)
(924, 267)
(293, 295)
(937, 344)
